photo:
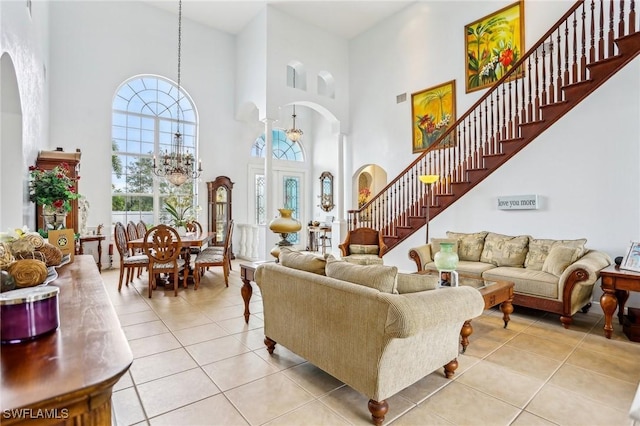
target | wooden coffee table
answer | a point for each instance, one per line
(493, 293)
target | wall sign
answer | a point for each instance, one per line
(518, 202)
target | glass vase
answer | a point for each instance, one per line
(446, 259)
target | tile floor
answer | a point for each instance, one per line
(196, 362)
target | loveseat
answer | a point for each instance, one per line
(368, 326)
(551, 275)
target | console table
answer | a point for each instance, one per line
(616, 284)
(68, 375)
(88, 238)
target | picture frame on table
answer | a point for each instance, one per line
(493, 44)
(433, 112)
(631, 261)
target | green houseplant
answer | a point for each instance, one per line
(55, 187)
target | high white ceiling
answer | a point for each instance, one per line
(342, 18)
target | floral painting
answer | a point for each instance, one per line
(433, 111)
(493, 45)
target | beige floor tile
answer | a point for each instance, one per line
(549, 348)
(282, 358)
(425, 387)
(501, 382)
(421, 416)
(606, 390)
(213, 411)
(200, 333)
(216, 350)
(312, 379)
(153, 344)
(524, 362)
(127, 407)
(238, 324)
(125, 382)
(253, 339)
(353, 406)
(256, 402)
(609, 365)
(238, 370)
(145, 329)
(480, 347)
(463, 405)
(556, 332)
(622, 349)
(131, 306)
(527, 419)
(137, 318)
(223, 313)
(182, 321)
(559, 406)
(160, 365)
(313, 413)
(175, 391)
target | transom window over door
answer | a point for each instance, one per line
(144, 119)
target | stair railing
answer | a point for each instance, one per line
(584, 35)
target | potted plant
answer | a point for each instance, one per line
(181, 211)
(53, 190)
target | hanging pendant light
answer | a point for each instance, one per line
(294, 133)
(177, 166)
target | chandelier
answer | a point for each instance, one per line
(177, 166)
(294, 133)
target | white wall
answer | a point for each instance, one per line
(23, 37)
(585, 168)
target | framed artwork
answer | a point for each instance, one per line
(433, 111)
(631, 261)
(492, 45)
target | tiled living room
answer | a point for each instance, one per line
(196, 362)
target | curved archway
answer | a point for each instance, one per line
(13, 196)
(369, 178)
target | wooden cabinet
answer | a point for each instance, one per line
(220, 209)
(47, 160)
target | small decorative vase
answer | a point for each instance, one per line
(53, 218)
(283, 225)
(446, 259)
(182, 230)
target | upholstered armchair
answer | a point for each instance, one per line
(364, 246)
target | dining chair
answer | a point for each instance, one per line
(194, 226)
(141, 227)
(162, 245)
(127, 260)
(214, 256)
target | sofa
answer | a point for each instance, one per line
(550, 275)
(375, 330)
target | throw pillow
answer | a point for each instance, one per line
(539, 250)
(302, 261)
(559, 258)
(505, 250)
(412, 283)
(469, 245)
(379, 277)
(363, 249)
(435, 244)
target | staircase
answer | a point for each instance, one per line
(586, 47)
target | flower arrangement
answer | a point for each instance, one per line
(363, 196)
(53, 187)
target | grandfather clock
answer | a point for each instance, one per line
(220, 214)
(47, 160)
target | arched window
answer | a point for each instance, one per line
(144, 119)
(283, 147)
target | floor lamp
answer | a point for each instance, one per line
(428, 180)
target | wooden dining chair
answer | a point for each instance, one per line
(214, 256)
(141, 227)
(128, 261)
(194, 226)
(162, 245)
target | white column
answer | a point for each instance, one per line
(344, 177)
(269, 190)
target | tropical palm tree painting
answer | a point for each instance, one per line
(493, 45)
(433, 111)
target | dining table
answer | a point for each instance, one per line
(191, 239)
